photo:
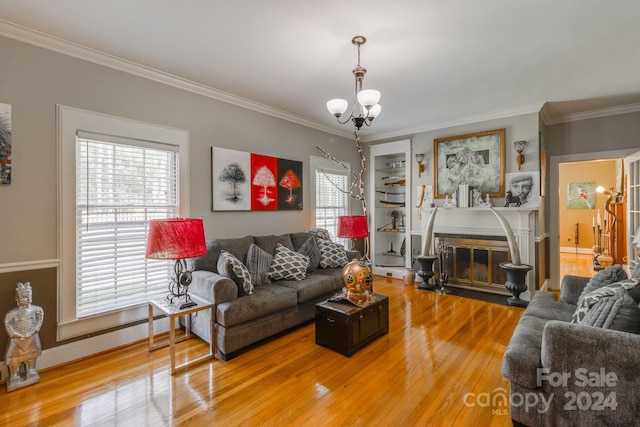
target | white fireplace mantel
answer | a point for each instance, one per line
(482, 222)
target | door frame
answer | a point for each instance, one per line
(554, 203)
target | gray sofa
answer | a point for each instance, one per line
(569, 374)
(240, 319)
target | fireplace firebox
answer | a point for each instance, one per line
(473, 261)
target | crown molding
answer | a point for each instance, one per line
(55, 44)
(593, 114)
(494, 115)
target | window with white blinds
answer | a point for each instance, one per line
(332, 200)
(115, 175)
(120, 185)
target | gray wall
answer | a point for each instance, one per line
(33, 80)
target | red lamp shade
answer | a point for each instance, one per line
(352, 226)
(176, 238)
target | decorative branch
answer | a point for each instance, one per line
(357, 179)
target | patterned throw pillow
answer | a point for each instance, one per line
(288, 264)
(258, 263)
(310, 249)
(586, 302)
(618, 311)
(604, 277)
(233, 268)
(332, 255)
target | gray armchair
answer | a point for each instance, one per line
(567, 374)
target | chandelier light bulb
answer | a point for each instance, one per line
(368, 98)
(337, 106)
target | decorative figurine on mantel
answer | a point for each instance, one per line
(22, 325)
(450, 202)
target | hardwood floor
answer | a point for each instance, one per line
(576, 264)
(440, 364)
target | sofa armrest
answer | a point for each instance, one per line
(571, 288)
(213, 286)
(594, 361)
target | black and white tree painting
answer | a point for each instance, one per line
(230, 180)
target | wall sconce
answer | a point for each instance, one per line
(519, 146)
(420, 159)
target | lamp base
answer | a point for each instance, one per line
(187, 304)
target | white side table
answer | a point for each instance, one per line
(174, 311)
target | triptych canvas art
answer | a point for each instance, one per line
(244, 181)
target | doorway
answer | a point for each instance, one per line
(554, 203)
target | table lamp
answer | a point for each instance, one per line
(354, 227)
(177, 239)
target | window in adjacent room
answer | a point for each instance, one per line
(116, 175)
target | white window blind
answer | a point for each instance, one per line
(332, 200)
(121, 184)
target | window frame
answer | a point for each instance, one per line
(69, 121)
(317, 165)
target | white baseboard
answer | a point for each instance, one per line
(572, 250)
(97, 344)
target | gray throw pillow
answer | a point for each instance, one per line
(288, 264)
(618, 311)
(258, 263)
(332, 255)
(233, 268)
(587, 301)
(310, 249)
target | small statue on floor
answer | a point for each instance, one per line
(22, 325)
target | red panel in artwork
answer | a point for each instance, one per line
(264, 189)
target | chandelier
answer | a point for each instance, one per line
(368, 99)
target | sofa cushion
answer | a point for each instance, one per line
(313, 286)
(587, 301)
(604, 277)
(258, 263)
(288, 264)
(618, 311)
(298, 239)
(522, 356)
(266, 299)
(269, 243)
(332, 255)
(310, 249)
(233, 268)
(239, 247)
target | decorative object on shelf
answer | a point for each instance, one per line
(354, 227)
(519, 146)
(515, 271)
(244, 181)
(368, 99)
(396, 223)
(450, 202)
(476, 159)
(22, 324)
(420, 160)
(177, 239)
(426, 258)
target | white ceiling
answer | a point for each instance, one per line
(436, 62)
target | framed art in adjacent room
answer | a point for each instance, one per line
(476, 159)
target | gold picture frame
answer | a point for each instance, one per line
(476, 159)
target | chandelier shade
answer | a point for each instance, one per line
(337, 106)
